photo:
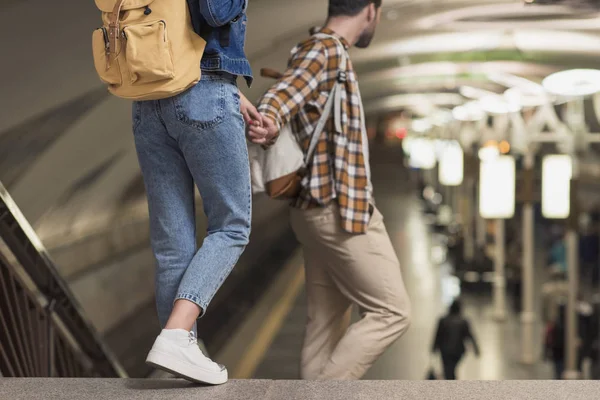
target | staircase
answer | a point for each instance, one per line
(43, 331)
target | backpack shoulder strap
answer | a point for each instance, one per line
(333, 101)
(113, 26)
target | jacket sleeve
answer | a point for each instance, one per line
(221, 12)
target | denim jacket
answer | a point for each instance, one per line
(222, 23)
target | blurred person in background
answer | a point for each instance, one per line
(452, 333)
(558, 253)
(554, 293)
(555, 342)
(587, 332)
(555, 337)
(588, 251)
(514, 268)
(595, 371)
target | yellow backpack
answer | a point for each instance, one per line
(147, 49)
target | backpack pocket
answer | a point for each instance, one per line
(148, 52)
(108, 71)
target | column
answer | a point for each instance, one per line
(528, 316)
(499, 272)
(467, 214)
(480, 228)
(572, 239)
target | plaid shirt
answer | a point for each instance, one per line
(338, 170)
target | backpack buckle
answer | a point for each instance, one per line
(113, 26)
(113, 36)
(342, 77)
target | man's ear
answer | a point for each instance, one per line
(372, 12)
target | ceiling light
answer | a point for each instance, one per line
(468, 112)
(497, 188)
(573, 83)
(498, 105)
(473, 93)
(556, 184)
(523, 98)
(488, 153)
(504, 147)
(422, 154)
(451, 164)
(441, 118)
(421, 125)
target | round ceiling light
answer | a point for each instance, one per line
(498, 105)
(468, 112)
(421, 125)
(525, 98)
(573, 83)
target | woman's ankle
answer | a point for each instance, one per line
(184, 315)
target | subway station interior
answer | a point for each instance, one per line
(483, 119)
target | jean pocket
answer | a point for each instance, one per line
(203, 106)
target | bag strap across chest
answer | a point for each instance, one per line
(333, 101)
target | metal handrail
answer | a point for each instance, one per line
(75, 335)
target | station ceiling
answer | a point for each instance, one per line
(435, 46)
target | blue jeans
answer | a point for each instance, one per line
(195, 137)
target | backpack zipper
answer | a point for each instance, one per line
(106, 46)
(106, 41)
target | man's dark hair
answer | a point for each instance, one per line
(455, 308)
(349, 8)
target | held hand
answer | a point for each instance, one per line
(250, 113)
(263, 134)
(272, 129)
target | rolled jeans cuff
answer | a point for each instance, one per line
(194, 299)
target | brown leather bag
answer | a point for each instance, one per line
(279, 169)
(288, 186)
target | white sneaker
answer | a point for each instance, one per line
(176, 351)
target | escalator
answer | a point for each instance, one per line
(43, 327)
(43, 331)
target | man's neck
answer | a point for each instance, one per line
(346, 28)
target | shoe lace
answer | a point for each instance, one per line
(194, 341)
(192, 338)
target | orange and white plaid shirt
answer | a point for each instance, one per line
(339, 170)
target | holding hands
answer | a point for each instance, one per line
(264, 133)
(259, 128)
(249, 112)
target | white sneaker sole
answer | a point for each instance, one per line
(182, 369)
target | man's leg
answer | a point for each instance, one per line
(366, 271)
(170, 192)
(328, 316)
(447, 368)
(450, 364)
(559, 369)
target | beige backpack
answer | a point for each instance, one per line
(147, 49)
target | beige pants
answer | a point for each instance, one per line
(341, 270)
